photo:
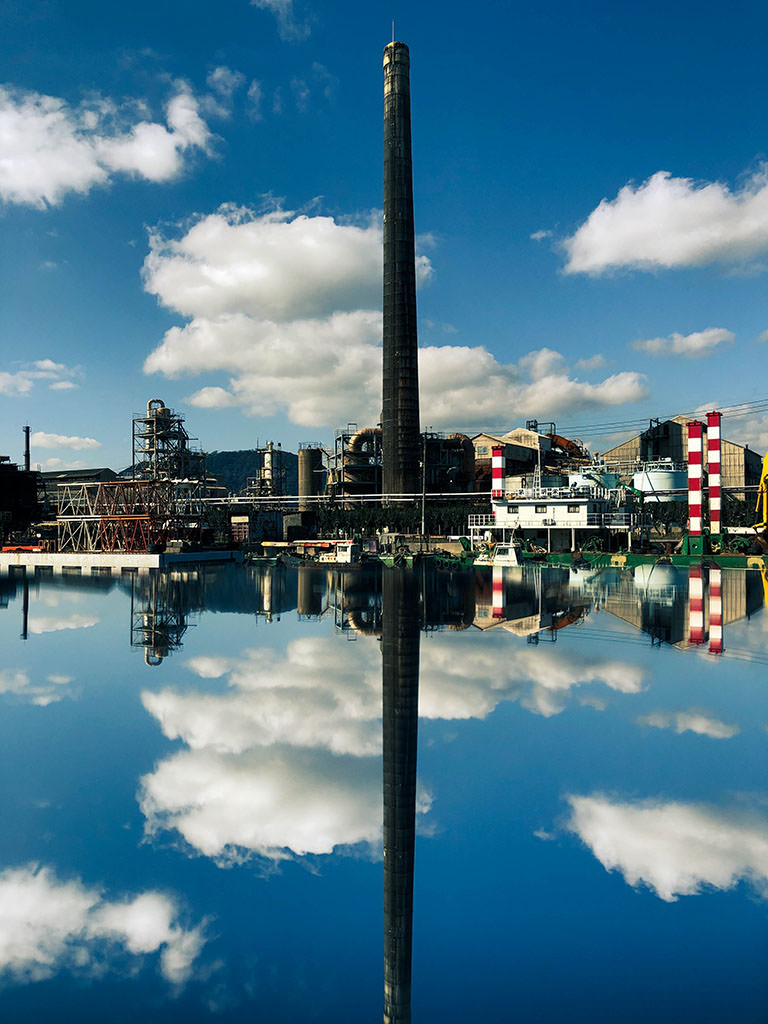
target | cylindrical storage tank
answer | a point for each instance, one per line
(653, 481)
(657, 578)
(304, 599)
(589, 479)
(310, 470)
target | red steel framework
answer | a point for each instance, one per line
(128, 515)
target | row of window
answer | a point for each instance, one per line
(542, 509)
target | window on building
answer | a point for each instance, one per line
(574, 508)
(514, 509)
(540, 508)
(482, 449)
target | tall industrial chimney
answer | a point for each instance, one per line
(27, 457)
(400, 396)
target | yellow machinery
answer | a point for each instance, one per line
(762, 498)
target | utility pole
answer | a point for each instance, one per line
(423, 486)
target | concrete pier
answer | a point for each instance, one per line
(88, 562)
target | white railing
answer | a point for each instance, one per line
(593, 520)
(481, 521)
(562, 493)
(618, 520)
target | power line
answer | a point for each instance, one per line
(735, 411)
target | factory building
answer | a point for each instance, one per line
(527, 450)
(18, 497)
(524, 450)
(553, 511)
(159, 505)
(52, 480)
(356, 466)
(666, 441)
(277, 473)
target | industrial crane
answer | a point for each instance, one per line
(762, 499)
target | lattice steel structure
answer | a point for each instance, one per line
(161, 448)
(129, 515)
(158, 617)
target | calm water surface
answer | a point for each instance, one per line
(237, 794)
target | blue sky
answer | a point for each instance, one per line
(190, 200)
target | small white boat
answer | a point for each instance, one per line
(342, 552)
(501, 554)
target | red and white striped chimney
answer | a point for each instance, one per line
(695, 428)
(498, 592)
(715, 610)
(497, 472)
(713, 471)
(695, 605)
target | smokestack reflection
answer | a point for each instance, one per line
(400, 687)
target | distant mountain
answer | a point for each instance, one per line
(232, 469)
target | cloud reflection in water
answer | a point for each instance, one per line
(286, 760)
(674, 848)
(47, 925)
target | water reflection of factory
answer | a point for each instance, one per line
(672, 604)
(681, 606)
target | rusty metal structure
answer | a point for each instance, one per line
(129, 515)
(162, 503)
(400, 393)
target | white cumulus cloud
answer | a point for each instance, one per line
(40, 439)
(14, 385)
(54, 623)
(51, 149)
(542, 681)
(285, 759)
(674, 848)
(22, 381)
(691, 346)
(47, 925)
(270, 802)
(17, 684)
(289, 27)
(700, 722)
(289, 308)
(672, 222)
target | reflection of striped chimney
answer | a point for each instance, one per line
(497, 472)
(695, 605)
(713, 471)
(498, 592)
(715, 610)
(694, 477)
